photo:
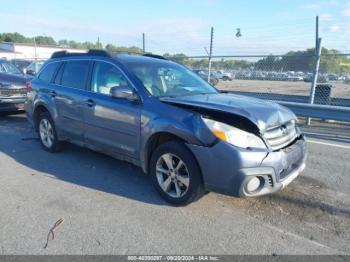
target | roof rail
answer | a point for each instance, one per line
(59, 54)
(155, 56)
(99, 52)
(91, 52)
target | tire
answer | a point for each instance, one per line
(225, 78)
(45, 125)
(189, 183)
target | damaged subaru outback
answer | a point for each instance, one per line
(189, 137)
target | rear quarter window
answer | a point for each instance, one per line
(48, 72)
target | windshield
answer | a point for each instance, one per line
(169, 79)
(10, 68)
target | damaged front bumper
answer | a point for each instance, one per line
(247, 173)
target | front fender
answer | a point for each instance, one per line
(191, 129)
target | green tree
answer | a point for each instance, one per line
(44, 40)
(270, 63)
(123, 49)
(13, 37)
(200, 63)
(331, 61)
(63, 43)
(178, 58)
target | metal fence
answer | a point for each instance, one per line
(286, 79)
(281, 78)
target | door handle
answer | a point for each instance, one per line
(90, 102)
(53, 93)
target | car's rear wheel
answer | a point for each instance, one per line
(175, 173)
(47, 133)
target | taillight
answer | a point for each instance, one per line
(28, 86)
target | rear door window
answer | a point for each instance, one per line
(75, 74)
(48, 72)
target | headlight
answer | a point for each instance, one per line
(233, 135)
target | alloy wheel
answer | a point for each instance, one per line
(46, 133)
(172, 175)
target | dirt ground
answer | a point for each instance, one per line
(340, 90)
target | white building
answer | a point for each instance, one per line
(31, 51)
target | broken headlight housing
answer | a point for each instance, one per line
(233, 135)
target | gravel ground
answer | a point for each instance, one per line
(341, 90)
(110, 207)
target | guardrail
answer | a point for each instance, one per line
(302, 108)
(339, 113)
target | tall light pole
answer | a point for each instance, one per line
(317, 33)
(210, 52)
(35, 56)
(143, 43)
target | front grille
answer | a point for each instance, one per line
(282, 136)
(11, 92)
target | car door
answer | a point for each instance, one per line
(111, 124)
(70, 96)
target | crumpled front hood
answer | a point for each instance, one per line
(262, 113)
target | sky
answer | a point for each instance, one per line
(183, 26)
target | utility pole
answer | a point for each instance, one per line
(35, 56)
(315, 76)
(317, 32)
(143, 43)
(35, 52)
(317, 66)
(210, 52)
(318, 50)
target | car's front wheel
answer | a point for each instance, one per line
(175, 173)
(47, 133)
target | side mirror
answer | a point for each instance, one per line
(123, 92)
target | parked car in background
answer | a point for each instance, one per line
(320, 79)
(33, 68)
(188, 136)
(333, 77)
(222, 75)
(269, 75)
(294, 76)
(204, 75)
(13, 90)
(21, 64)
(347, 80)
